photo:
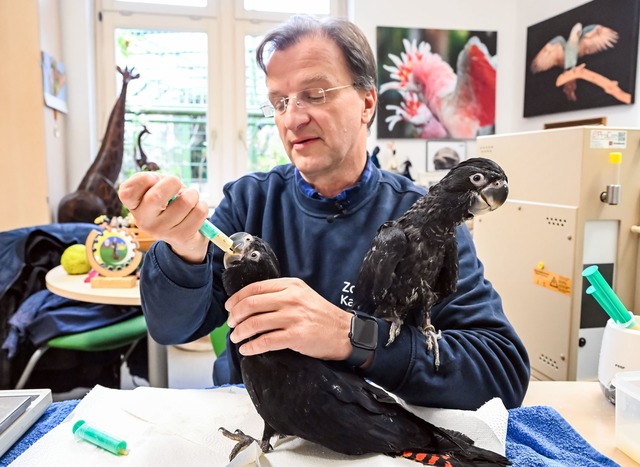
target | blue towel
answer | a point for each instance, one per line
(536, 437)
(539, 437)
(51, 418)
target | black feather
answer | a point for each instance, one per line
(413, 261)
(324, 403)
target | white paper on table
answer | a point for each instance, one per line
(180, 427)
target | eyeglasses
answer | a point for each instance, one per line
(313, 96)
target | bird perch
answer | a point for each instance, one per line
(609, 86)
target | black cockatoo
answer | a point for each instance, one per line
(324, 402)
(413, 261)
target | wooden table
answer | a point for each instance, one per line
(584, 406)
(75, 288)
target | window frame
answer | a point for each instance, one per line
(128, 7)
(226, 23)
(336, 8)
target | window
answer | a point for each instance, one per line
(198, 101)
(264, 146)
(169, 101)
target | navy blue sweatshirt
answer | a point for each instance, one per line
(323, 241)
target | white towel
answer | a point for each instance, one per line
(180, 427)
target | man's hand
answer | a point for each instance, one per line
(287, 313)
(147, 195)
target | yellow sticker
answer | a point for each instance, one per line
(552, 281)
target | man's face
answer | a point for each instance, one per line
(320, 140)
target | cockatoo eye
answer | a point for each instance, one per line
(255, 255)
(477, 179)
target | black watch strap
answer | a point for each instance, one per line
(358, 356)
(364, 338)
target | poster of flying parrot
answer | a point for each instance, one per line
(436, 83)
(583, 58)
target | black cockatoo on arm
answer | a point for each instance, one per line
(413, 261)
(325, 403)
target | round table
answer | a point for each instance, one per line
(74, 286)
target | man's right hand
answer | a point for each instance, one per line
(147, 195)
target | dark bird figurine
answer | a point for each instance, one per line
(406, 172)
(413, 261)
(374, 156)
(325, 403)
(143, 161)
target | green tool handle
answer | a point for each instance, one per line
(606, 297)
(214, 234)
(116, 446)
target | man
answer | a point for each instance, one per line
(319, 214)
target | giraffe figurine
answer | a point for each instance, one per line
(97, 193)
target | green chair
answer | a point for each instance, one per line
(219, 339)
(110, 337)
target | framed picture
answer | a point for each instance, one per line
(54, 83)
(584, 58)
(445, 154)
(436, 83)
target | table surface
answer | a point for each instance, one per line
(74, 287)
(584, 406)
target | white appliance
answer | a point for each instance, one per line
(555, 223)
(620, 352)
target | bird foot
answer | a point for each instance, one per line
(432, 343)
(393, 332)
(243, 441)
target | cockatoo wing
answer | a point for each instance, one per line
(552, 54)
(596, 38)
(378, 270)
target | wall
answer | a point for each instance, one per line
(23, 182)
(67, 34)
(44, 154)
(78, 50)
(510, 19)
(55, 128)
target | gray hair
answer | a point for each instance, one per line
(347, 36)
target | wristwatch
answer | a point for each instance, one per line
(364, 338)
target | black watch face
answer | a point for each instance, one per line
(365, 333)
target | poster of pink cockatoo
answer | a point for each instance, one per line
(436, 83)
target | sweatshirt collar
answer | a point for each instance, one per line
(347, 201)
(311, 192)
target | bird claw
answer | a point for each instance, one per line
(243, 441)
(432, 343)
(393, 332)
